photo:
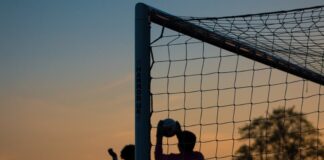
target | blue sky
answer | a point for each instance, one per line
(67, 66)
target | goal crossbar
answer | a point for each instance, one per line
(180, 25)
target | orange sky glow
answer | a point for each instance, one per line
(67, 79)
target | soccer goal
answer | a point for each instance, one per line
(249, 86)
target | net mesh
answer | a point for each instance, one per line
(296, 36)
(239, 108)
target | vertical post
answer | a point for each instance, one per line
(142, 82)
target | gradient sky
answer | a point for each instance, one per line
(66, 67)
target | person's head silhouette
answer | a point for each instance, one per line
(187, 141)
(128, 152)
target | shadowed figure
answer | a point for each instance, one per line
(127, 153)
(186, 144)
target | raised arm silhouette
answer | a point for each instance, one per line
(186, 144)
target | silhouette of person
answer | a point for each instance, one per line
(127, 153)
(112, 154)
(186, 144)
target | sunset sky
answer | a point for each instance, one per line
(66, 72)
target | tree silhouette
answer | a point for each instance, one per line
(283, 135)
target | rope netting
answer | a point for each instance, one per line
(237, 107)
(296, 36)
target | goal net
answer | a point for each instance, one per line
(248, 87)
